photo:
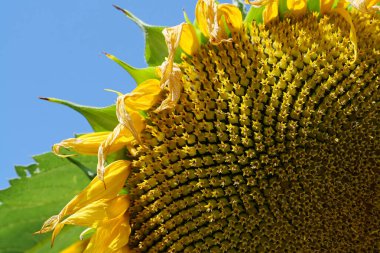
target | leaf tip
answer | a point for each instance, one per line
(131, 17)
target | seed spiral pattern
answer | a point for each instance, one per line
(273, 145)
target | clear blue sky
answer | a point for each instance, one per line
(54, 49)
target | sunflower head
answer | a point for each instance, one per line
(262, 136)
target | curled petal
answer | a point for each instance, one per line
(87, 144)
(297, 7)
(189, 41)
(232, 16)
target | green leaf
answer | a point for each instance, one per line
(139, 75)
(254, 14)
(155, 45)
(100, 118)
(41, 191)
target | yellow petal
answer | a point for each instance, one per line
(88, 144)
(77, 247)
(111, 236)
(270, 12)
(144, 96)
(189, 40)
(115, 176)
(326, 6)
(232, 15)
(297, 7)
(93, 214)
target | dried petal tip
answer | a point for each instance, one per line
(49, 224)
(43, 98)
(365, 5)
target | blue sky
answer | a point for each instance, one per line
(54, 49)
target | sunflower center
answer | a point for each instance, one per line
(274, 145)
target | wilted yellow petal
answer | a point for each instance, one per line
(364, 5)
(88, 144)
(297, 7)
(130, 129)
(170, 72)
(211, 17)
(189, 41)
(49, 224)
(115, 176)
(174, 84)
(172, 37)
(232, 16)
(77, 247)
(205, 12)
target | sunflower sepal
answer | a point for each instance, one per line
(138, 74)
(155, 47)
(254, 14)
(100, 118)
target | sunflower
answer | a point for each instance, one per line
(258, 132)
